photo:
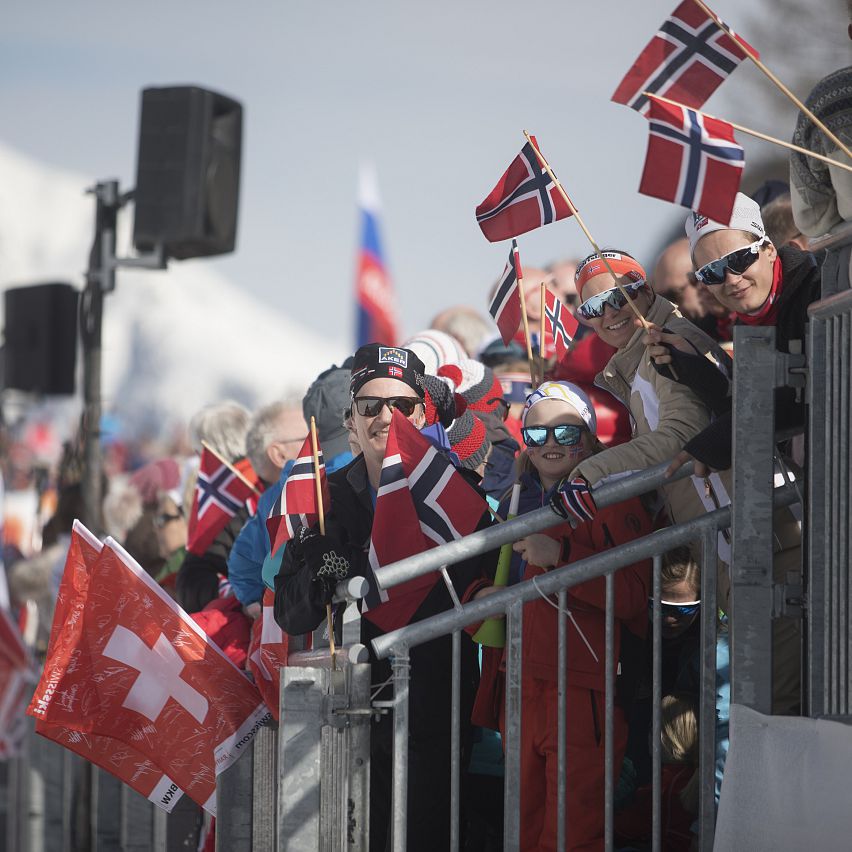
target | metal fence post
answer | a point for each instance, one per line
(751, 517)
(359, 766)
(264, 822)
(512, 773)
(401, 667)
(234, 793)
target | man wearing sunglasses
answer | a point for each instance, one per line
(385, 378)
(763, 285)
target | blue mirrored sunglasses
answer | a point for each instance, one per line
(595, 305)
(676, 609)
(566, 434)
(737, 261)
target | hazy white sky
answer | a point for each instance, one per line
(436, 94)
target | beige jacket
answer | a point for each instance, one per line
(665, 415)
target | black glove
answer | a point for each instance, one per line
(324, 558)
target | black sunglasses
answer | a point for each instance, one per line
(371, 406)
(565, 434)
(737, 261)
(595, 305)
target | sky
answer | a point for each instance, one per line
(436, 95)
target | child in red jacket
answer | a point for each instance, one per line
(559, 430)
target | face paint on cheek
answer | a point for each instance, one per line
(575, 452)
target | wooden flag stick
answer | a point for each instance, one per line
(757, 134)
(526, 328)
(759, 63)
(546, 166)
(541, 346)
(321, 518)
(230, 467)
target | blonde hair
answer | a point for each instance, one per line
(679, 729)
(679, 565)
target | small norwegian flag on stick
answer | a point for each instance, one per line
(560, 323)
(220, 492)
(688, 58)
(526, 197)
(692, 160)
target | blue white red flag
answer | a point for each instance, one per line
(691, 54)
(524, 199)
(422, 502)
(693, 160)
(559, 323)
(220, 492)
(375, 302)
(296, 506)
(505, 306)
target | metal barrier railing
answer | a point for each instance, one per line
(829, 517)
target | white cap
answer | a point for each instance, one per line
(746, 217)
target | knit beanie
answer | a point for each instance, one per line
(440, 401)
(476, 383)
(468, 440)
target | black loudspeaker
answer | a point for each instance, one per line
(188, 172)
(40, 352)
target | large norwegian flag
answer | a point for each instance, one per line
(122, 760)
(505, 307)
(559, 323)
(268, 652)
(296, 506)
(422, 502)
(374, 296)
(692, 53)
(140, 671)
(693, 160)
(524, 199)
(219, 494)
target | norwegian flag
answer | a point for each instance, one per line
(692, 160)
(296, 506)
(422, 501)
(687, 59)
(524, 199)
(139, 671)
(219, 495)
(560, 323)
(505, 307)
(268, 652)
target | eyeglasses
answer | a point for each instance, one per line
(681, 610)
(737, 261)
(371, 406)
(565, 434)
(501, 406)
(595, 306)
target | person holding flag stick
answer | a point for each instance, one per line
(321, 522)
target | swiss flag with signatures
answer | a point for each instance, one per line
(268, 653)
(136, 669)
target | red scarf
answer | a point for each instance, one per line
(768, 312)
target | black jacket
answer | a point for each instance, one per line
(801, 283)
(300, 607)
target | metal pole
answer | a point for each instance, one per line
(751, 521)
(562, 711)
(359, 768)
(609, 714)
(512, 745)
(707, 709)
(455, 744)
(656, 708)
(401, 667)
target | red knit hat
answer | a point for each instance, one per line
(476, 383)
(469, 440)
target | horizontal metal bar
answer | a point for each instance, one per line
(550, 583)
(518, 528)
(831, 306)
(842, 236)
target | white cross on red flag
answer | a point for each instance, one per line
(136, 669)
(268, 652)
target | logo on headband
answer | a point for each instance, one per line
(392, 355)
(395, 372)
(699, 221)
